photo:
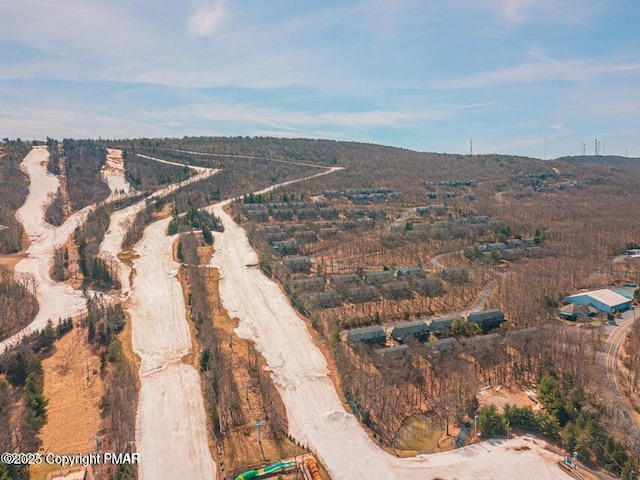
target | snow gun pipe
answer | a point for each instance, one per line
(271, 469)
(313, 468)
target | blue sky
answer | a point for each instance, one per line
(424, 75)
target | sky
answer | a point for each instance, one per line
(524, 77)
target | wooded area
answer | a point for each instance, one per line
(14, 187)
(18, 304)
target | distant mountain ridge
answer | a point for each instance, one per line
(605, 160)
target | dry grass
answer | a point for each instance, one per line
(11, 260)
(417, 435)
(506, 394)
(73, 412)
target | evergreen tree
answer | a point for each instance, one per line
(206, 235)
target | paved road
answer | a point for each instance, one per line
(610, 357)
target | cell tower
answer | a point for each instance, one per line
(471, 147)
(596, 149)
(584, 148)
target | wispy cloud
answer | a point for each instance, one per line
(206, 18)
(474, 105)
(294, 120)
(513, 10)
(517, 12)
(542, 71)
(405, 72)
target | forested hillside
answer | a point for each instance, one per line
(14, 187)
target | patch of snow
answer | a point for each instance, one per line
(113, 173)
(56, 299)
(171, 434)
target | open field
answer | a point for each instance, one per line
(74, 389)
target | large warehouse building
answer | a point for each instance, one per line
(605, 300)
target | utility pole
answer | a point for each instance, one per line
(475, 426)
(259, 426)
(97, 439)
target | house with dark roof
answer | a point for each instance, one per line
(417, 329)
(495, 246)
(393, 354)
(410, 272)
(328, 232)
(306, 213)
(253, 206)
(282, 214)
(365, 222)
(257, 215)
(441, 327)
(482, 345)
(343, 278)
(328, 299)
(377, 213)
(306, 236)
(446, 345)
(573, 311)
(309, 284)
(361, 294)
(329, 213)
(286, 247)
(276, 237)
(373, 335)
(298, 264)
(376, 278)
(331, 193)
(268, 229)
(354, 212)
(487, 319)
(398, 290)
(294, 227)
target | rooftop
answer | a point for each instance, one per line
(605, 296)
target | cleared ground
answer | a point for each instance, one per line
(56, 300)
(171, 431)
(113, 173)
(74, 388)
